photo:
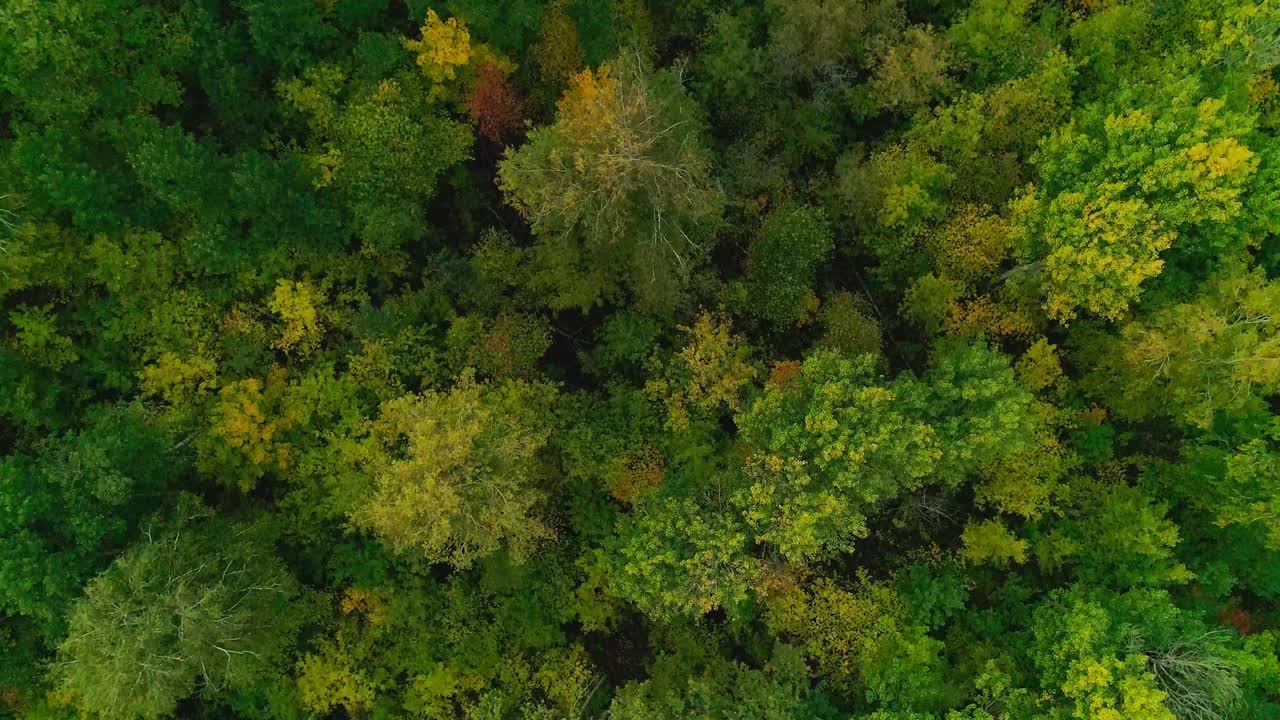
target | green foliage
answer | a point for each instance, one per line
(972, 400)
(892, 196)
(72, 507)
(724, 691)
(793, 242)
(1105, 209)
(1195, 359)
(728, 64)
(848, 326)
(830, 359)
(990, 542)
(675, 556)
(828, 444)
(1125, 540)
(202, 604)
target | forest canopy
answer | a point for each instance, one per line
(631, 359)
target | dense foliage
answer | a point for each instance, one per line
(631, 359)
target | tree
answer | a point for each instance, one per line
(508, 346)
(201, 604)
(828, 446)
(989, 137)
(910, 73)
(972, 400)
(861, 639)
(445, 46)
(996, 40)
(793, 241)
(1123, 539)
(246, 439)
(1092, 647)
(1234, 475)
(893, 196)
(674, 556)
(848, 326)
(728, 65)
(558, 51)
(464, 483)
(379, 142)
(1098, 253)
(1105, 209)
(296, 304)
(725, 690)
(1216, 353)
(707, 378)
(618, 189)
(496, 106)
(812, 38)
(73, 503)
(990, 541)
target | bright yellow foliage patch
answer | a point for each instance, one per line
(295, 303)
(444, 48)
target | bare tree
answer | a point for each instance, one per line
(1198, 684)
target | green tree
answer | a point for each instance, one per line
(73, 503)
(991, 542)
(828, 446)
(1155, 168)
(200, 605)
(793, 242)
(972, 400)
(1124, 539)
(724, 690)
(893, 196)
(1217, 352)
(674, 556)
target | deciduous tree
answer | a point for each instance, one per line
(459, 476)
(618, 189)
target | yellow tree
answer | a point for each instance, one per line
(444, 49)
(457, 478)
(707, 377)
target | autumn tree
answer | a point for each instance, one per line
(444, 48)
(709, 377)
(458, 477)
(1104, 212)
(495, 105)
(557, 53)
(245, 441)
(617, 189)
(864, 640)
(910, 73)
(893, 196)
(508, 346)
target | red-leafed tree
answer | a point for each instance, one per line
(496, 106)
